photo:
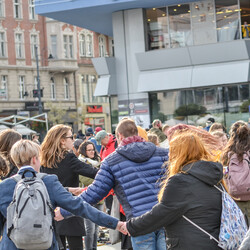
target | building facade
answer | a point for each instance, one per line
(66, 72)
(180, 61)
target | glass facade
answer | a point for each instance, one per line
(226, 104)
(197, 23)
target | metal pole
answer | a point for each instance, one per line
(38, 83)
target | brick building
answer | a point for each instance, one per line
(67, 76)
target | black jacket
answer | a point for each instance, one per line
(12, 171)
(192, 195)
(68, 171)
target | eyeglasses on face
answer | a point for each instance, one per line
(71, 137)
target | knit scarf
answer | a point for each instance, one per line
(131, 139)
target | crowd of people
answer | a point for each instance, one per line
(160, 176)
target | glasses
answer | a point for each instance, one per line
(71, 137)
(89, 150)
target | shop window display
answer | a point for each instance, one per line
(226, 104)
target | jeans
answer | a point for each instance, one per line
(92, 230)
(151, 241)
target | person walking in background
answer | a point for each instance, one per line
(188, 190)
(35, 138)
(88, 154)
(209, 123)
(76, 145)
(57, 159)
(8, 138)
(157, 129)
(154, 139)
(217, 127)
(25, 154)
(236, 158)
(133, 171)
(108, 143)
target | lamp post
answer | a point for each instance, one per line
(40, 108)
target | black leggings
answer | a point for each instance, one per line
(75, 242)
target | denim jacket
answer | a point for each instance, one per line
(59, 197)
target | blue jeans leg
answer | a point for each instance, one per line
(151, 241)
(92, 230)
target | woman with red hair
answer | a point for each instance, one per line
(188, 190)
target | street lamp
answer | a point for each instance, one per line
(40, 108)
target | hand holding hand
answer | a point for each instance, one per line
(121, 226)
(58, 216)
(75, 191)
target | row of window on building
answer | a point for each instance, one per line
(88, 85)
(196, 23)
(85, 45)
(18, 9)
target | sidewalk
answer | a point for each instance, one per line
(110, 247)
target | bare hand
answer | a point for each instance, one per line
(58, 216)
(121, 226)
(75, 191)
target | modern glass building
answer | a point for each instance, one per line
(179, 61)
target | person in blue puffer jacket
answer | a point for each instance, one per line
(133, 171)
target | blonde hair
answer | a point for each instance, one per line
(23, 151)
(51, 148)
(153, 138)
(184, 148)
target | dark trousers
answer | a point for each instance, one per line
(75, 242)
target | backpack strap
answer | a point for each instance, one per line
(204, 231)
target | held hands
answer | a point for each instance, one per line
(121, 226)
(75, 191)
(58, 216)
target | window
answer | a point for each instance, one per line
(245, 18)
(1, 8)
(53, 40)
(203, 22)
(68, 46)
(19, 45)
(3, 88)
(89, 45)
(101, 46)
(86, 45)
(2, 44)
(180, 26)
(21, 87)
(32, 14)
(52, 89)
(157, 25)
(33, 44)
(66, 88)
(227, 20)
(82, 45)
(17, 9)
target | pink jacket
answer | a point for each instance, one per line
(238, 180)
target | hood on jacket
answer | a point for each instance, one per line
(137, 151)
(206, 171)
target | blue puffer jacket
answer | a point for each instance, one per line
(133, 172)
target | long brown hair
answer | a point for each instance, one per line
(239, 142)
(184, 148)
(8, 138)
(51, 148)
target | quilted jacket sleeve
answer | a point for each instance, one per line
(103, 183)
(75, 205)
